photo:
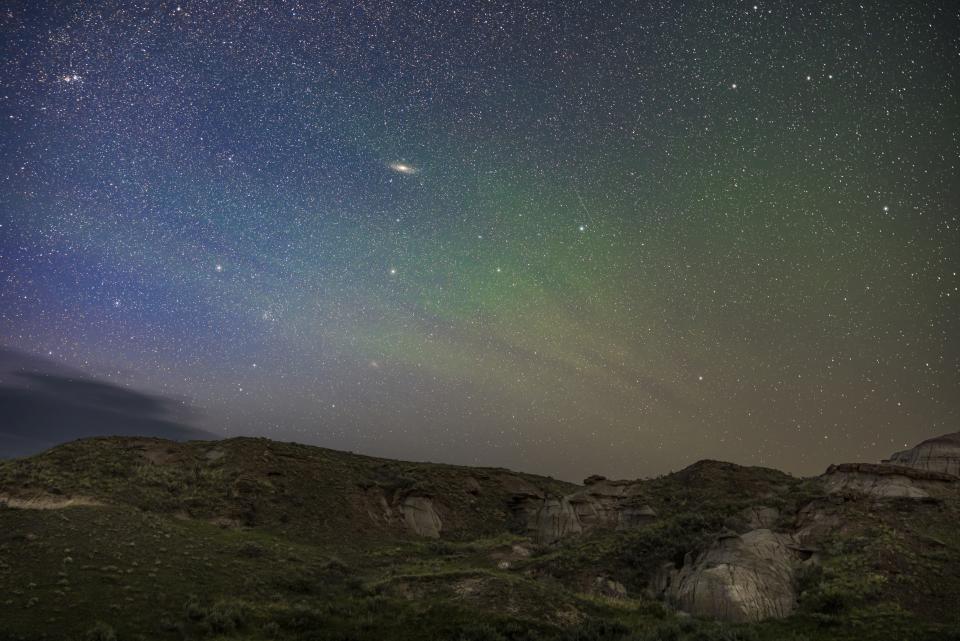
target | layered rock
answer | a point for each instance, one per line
(939, 454)
(553, 520)
(885, 481)
(417, 514)
(421, 517)
(602, 504)
(741, 578)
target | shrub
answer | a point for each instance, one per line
(480, 632)
(192, 609)
(226, 616)
(252, 550)
(300, 618)
(101, 632)
(595, 630)
(827, 600)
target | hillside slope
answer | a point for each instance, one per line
(138, 538)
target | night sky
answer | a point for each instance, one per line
(567, 238)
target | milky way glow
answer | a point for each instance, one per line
(569, 238)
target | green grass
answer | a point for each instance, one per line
(297, 561)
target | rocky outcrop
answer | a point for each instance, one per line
(817, 520)
(549, 520)
(760, 517)
(885, 481)
(417, 514)
(601, 504)
(741, 578)
(46, 502)
(940, 454)
(420, 516)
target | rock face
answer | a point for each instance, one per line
(601, 504)
(417, 514)
(741, 578)
(817, 520)
(885, 481)
(420, 516)
(940, 454)
(760, 517)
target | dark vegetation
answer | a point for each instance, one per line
(247, 539)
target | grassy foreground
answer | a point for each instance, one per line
(167, 553)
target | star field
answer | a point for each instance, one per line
(567, 238)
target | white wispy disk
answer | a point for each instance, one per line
(403, 168)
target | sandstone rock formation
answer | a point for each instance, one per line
(601, 504)
(760, 517)
(939, 454)
(885, 481)
(549, 520)
(420, 516)
(416, 514)
(746, 577)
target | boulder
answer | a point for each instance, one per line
(740, 578)
(939, 454)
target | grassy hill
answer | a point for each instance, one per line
(135, 538)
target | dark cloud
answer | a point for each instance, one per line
(42, 404)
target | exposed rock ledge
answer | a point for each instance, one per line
(602, 504)
(939, 454)
(46, 502)
(416, 513)
(885, 481)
